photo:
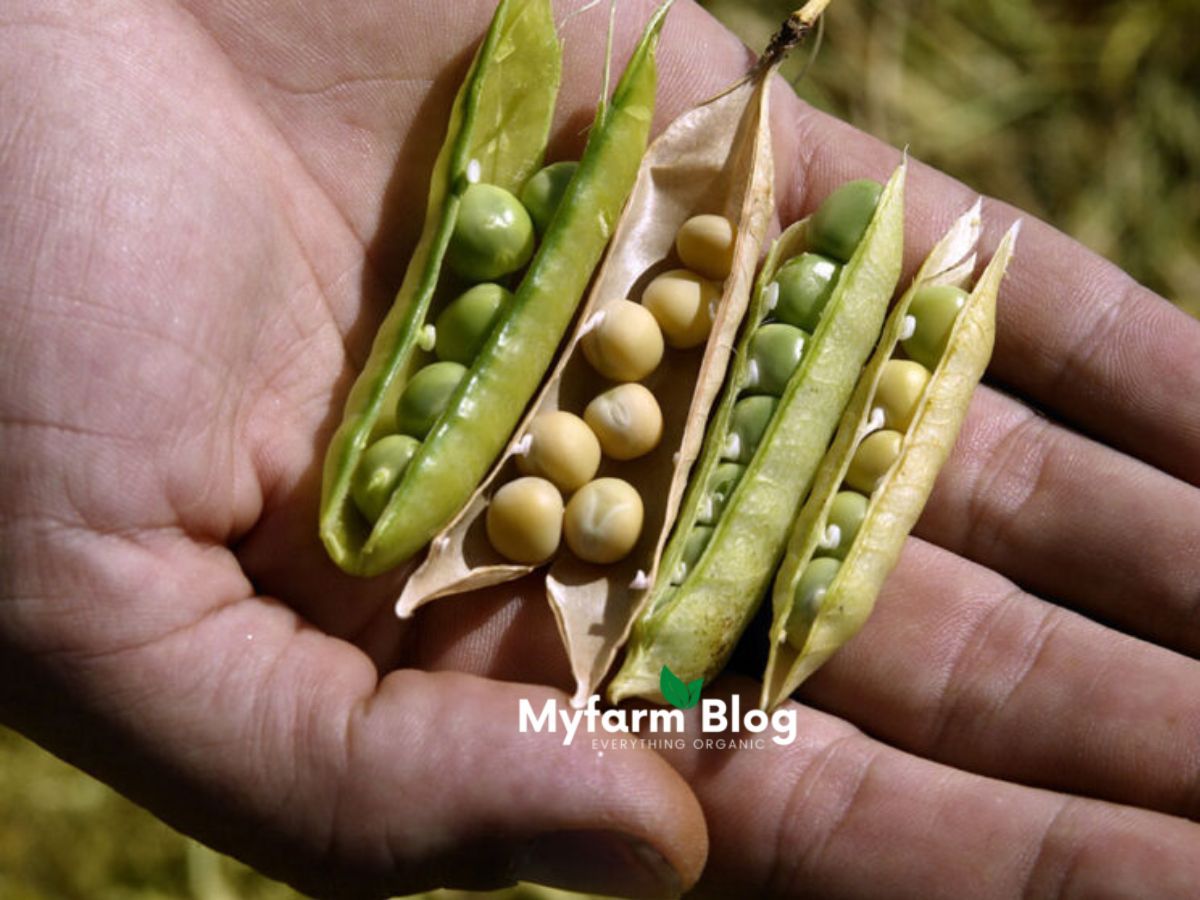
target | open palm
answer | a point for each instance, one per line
(204, 211)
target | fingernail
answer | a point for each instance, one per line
(597, 862)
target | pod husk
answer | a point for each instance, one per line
(898, 500)
(716, 158)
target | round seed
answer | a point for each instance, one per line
(806, 283)
(724, 479)
(525, 520)
(464, 325)
(425, 397)
(562, 449)
(846, 515)
(775, 352)
(603, 520)
(544, 192)
(748, 423)
(898, 393)
(693, 547)
(872, 459)
(493, 234)
(705, 245)
(838, 226)
(683, 304)
(814, 582)
(934, 309)
(379, 471)
(627, 421)
(626, 344)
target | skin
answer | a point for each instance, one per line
(204, 211)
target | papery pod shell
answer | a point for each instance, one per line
(897, 502)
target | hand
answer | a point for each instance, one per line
(205, 210)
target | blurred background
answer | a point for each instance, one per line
(1083, 112)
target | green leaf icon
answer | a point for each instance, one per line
(678, 694)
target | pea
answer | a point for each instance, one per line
(627, 420)
(683, 303)
(425, 397)
(464, 325)
(775, 352)
(806, 283)
(934, 309)
(525, 520)
(493, 235)
(872, 459)
(838, 226)
(705, 245)
(693, 547)
(898, 393)
(544, 192)
(818, 575)
(625, 344)
(562, 449)
(603, 520)
(724, 480)
(846, 514)
(379, 471)
(747, 425)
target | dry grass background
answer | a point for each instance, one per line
(1083, 113)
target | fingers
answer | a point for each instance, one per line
(837, 814)
(957, 665)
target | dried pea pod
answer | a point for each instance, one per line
(819, 602)
(727, 541)
(497, 135)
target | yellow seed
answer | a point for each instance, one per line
(603, 520)
(705, 245)
(524, 520)
(627, 420)
(901, 383)
(626, 344)
(872, 459)
(562, 448)
(683, 303)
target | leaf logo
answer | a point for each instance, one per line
(678, 694)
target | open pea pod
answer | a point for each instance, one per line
(766, 437)
(894, 437)
(497, 135)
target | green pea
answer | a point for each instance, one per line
(846, 513)
(934, 309)
(379, 471)
(747, 425)
(693, 547)
(425, 397)
(806, 283)
(544, 192)
(775, 352)
(464, 325)
(493, 235)
(838, 226)
(814, 582)
(871, 461)
(724, 479)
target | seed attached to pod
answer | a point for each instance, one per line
(872, 459)
(379, 471)
(934, 309)
(724, 479)
(525, 520)
(747, 425)
(493, 235)
(627, 420)
(775, 352)
(603, 520)
(901, 384)
(562, 449)
(683, 303)
(425, 397)
(846, 515)
(464, 325)
(814, 582)
(544, 192)
(806, 283)
(705, 245)
(693, 548)
(626, 343)
(838, 226)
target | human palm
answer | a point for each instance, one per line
(205, 211)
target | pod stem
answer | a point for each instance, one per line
(794, 30)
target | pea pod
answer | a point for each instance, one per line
(697, 612)
(818, 604)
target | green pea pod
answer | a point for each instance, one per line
(500, 120)
(824, 622)
(692, 627)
